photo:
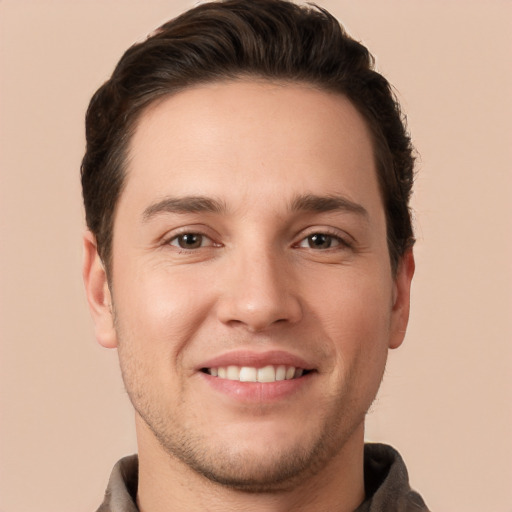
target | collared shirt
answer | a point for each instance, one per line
(385, 477)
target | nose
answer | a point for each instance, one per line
(259, 292)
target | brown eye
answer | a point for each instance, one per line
(320, 241)
(188, 241)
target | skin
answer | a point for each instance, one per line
(257, 281)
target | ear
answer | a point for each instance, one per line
(98, 293)
(401, 299)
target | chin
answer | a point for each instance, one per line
(255, 470)
(261, 461)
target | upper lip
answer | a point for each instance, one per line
(256, 359)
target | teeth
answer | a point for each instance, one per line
(281, 373)
(268, 373)
(248, 374)
(233, 373)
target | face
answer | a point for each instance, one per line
(252, 299)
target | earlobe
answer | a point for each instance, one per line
(401, 302)
(98, 293)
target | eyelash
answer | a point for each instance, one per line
(181, 236)
(340, 243)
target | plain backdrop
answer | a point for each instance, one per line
(446, 399)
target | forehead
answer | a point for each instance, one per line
(245, 139)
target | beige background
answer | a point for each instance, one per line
(446, 401)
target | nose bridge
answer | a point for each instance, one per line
(259, 290)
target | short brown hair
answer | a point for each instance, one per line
(273, 39)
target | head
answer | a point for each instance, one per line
(246, 184)
(269, 39)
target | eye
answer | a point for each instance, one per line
(191, 241)
(321, 241)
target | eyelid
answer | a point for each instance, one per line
(344, 239)
(190, 230)
(210, 243)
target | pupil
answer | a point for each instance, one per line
(320, 240)
(190, 241)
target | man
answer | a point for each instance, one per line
(249, 254)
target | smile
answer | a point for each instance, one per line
(269, 373)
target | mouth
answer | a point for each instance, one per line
(265, 374)
(252, 377)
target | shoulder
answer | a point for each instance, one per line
(387, 482)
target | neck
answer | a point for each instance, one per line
(166, 484)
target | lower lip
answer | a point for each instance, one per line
(257, 391)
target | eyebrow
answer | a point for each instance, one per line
(187, 204)
(198, 204)
(320, 204)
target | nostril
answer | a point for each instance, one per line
(258, 303)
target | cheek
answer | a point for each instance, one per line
(355, 314)
(358, 332)
(157, 314)
(159, 308)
